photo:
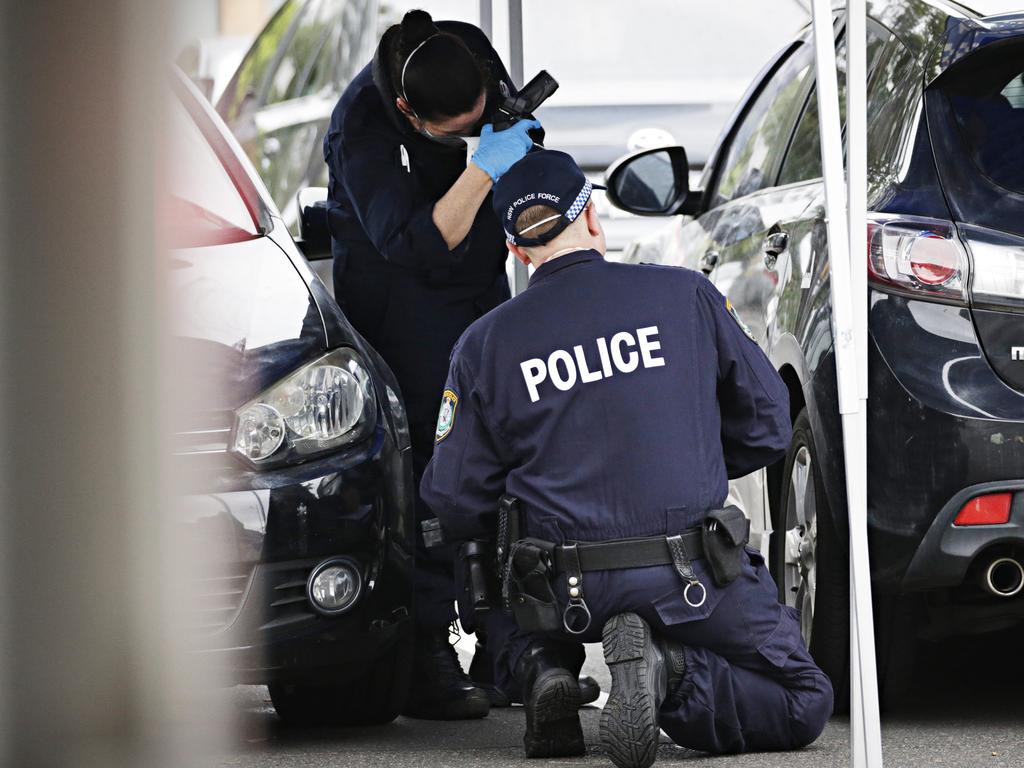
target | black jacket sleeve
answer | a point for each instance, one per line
(465, 479)
(752, 398)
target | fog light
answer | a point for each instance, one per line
(334, 586)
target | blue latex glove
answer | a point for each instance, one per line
(497, 152)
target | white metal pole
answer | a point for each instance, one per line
(515, 41)
(866, 737)
(865, 751)
(487, 18)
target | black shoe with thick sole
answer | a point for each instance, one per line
(629, 722)
(440, 689)
(590, 689)
(551, 697)
(552, 716)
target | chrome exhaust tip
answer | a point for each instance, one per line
(1004, 577)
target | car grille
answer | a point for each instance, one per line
(217, 598)
(286, 602)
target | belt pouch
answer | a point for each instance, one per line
(725, 532)
(534, 604)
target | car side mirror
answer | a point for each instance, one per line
(651, 182)
(314, 235)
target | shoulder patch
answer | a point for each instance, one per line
(446, 418)
(736, 317)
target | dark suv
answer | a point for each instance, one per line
(944, 252)
(293, 449)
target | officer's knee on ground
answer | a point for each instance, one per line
(815, 708)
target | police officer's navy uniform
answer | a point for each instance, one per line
(616, 401)
(394, 276)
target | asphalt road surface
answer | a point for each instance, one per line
(967, 710)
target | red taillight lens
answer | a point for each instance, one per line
(916, 254)
(991, 509)
(933, 260)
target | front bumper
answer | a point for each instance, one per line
(253, 539)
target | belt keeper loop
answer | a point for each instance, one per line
(685, 570)
(574, 582)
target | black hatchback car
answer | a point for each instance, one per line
(944, 253)
(293, 445)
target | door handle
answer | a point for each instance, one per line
(774, 244)
(708, 262)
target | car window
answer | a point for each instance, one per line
(317, 24)
(760, 139)
(249, 82)
(205, 207)
(327, 27)
(989, 111)
(803, 159)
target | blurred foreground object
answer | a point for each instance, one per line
(92, 668)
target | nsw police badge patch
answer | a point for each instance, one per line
(736, 317)
(446, 418)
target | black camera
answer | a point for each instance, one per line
(525, 103)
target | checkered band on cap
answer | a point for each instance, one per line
(580, 202)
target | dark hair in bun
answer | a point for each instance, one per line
(443, 79)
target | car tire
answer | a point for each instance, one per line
(375, 697)
(809, 562)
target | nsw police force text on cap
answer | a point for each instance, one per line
(565, 369)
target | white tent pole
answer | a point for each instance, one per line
(515, 43)
(856, 153)
(866, 737)
(865, 750)
(487, 18)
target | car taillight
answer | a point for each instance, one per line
(997, 272)
(991, 509)
(918, 255)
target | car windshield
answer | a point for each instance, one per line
(204, 205)
(989, 109)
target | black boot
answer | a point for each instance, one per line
(440, 689)
(551, 695)
(641, 669)
(481, 672)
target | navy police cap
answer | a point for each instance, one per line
(544, 177)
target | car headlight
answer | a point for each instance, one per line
(322, 406)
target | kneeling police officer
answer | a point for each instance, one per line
(609, 404)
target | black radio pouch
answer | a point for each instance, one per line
(534, 604)
(725, 532)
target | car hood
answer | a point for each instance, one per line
(243, 319)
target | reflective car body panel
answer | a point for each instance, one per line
(248, 312)
(945, 412)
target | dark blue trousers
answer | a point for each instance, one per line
(749, 685)
(414, 325)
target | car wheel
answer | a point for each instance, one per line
(810, 565)
(374, 697)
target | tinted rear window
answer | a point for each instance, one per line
(989, 112)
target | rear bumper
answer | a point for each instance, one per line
(947, 552)
(941, 426)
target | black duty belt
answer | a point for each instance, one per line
(574, 559)
(629, 553)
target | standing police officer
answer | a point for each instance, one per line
(419, 255)
(615, 401)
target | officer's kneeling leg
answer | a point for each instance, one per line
(773, 698)
(542, 672)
